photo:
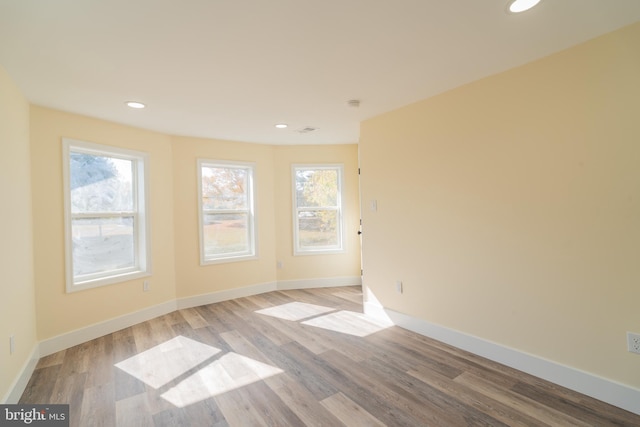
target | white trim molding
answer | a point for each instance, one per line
(79, 336)
(328, 282)
(96, 330)
(20, 382)
(612, 392)
(225, 295)
(138, 212)
(251, 252)
(228, 294)
(88, 333)
(340, 246)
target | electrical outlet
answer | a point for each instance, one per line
(12, 344)
(146, 287)
(399, 286)
(279, 265)
(633, 342)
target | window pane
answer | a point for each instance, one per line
(224, 188)
(315, 188)
(318, 228)
(225, 234)
(102, 244)
(100, 184)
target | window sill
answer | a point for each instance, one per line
(228, 260)
(319, 252)
(105, 281)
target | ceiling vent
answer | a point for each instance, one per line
(307, 129)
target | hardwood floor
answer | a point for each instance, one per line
(296, 358)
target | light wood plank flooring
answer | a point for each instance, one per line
(296, 358)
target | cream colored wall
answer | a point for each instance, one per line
(59, 312)
(174, 220)
(192, 278)
(273, 207)
(17, 308)
(345, 264)
(510, 207)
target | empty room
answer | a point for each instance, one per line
(338, 213)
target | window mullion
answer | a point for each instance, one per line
(319, 208)
(225, 211)
(108, 245)
(317, 229)
(227, 231)
(103, 215)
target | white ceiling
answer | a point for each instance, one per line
(232, 69)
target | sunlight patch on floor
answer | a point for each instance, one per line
(167, 361)
(346, 322)
(229, 372)
(295, 311)
(349, 322)
(191, 371)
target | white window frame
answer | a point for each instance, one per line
(252, 252)
(334, 249)
(140, 214)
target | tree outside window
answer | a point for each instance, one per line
(227, 225)
(318, 209)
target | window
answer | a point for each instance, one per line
(317, 194)
(105, 214)
(227, 217)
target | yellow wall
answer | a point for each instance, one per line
(176, 271)
(59, 312)
(345, 264)
(273, 207)
(17, 309)
(510, 207)
(194, 279)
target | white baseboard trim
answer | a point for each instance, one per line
(219, 296)
(69, 339)
(79, 336)
(226, 295)
(88, 333)
(328, 282)
(21, 381)
(612, 392)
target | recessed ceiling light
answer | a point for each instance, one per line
(135, 104)
(281, 126)
(517, 6)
